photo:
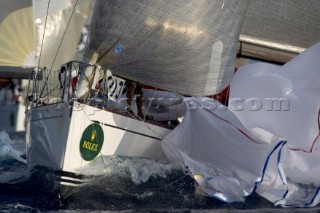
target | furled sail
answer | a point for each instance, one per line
(183, 46)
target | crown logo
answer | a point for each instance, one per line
(93, 135)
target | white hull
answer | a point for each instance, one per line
(54, 137)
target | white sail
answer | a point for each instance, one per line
(57, 36)
(17, 41)
(58, 42)
(22, 31)
(252, 145)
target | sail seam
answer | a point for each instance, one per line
(314, 141)
(240, 130)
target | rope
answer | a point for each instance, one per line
(74, 7)
(154, 91)
(59, 44)
(143, 124)
(105, 166)
(178, 179)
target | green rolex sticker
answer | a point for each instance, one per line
(91, 142)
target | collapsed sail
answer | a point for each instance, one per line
(253, 146)
(185, 47)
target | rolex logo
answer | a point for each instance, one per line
(93, 135)
(91, 142)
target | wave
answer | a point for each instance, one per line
(6, 149)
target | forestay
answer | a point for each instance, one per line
(183, 46)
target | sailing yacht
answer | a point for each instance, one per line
(185, 51)
(78, 113)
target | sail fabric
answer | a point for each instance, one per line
(187, 47)
(296, 22)
(58, 43)
(58, 35)
(163, 105)
(17, 43)
(247, 147)
(217, 149)
(287, 98)
(22, 30)
(279, 30)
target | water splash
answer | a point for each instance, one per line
(120, 183)
(6, 149)
(139, 169)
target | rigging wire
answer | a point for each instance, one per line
(187, 171)
(55, 57)
(172, 147)
(44, 32)
(60, 41)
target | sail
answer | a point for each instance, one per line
(279, 30)
(266, 140)
(17, 44)
(23, 38)
(183, 46)
(59, 33)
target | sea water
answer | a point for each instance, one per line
(123, 185)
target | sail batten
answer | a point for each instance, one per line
(22, 30)
(17, 42)
(169, 45)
